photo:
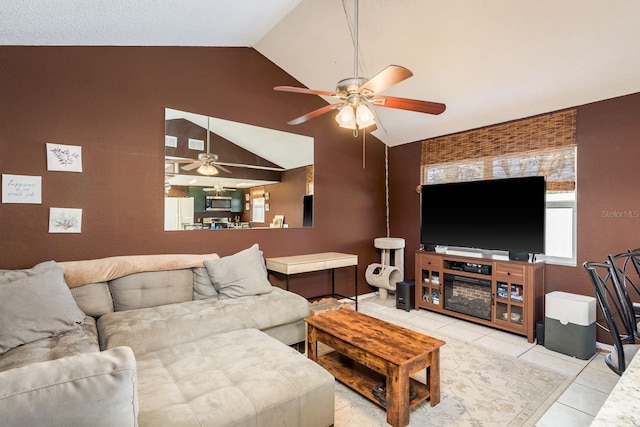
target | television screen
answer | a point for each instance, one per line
(501, 214)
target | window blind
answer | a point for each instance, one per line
(542, 145)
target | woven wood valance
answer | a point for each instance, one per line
(551, 133)
(547, 131)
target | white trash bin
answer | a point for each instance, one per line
(570, 324)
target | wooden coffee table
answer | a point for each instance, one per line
(369, 351)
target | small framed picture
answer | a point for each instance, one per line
(64, 158)
(21, 189)
(65, 220)
(278, 221)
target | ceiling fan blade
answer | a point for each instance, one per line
(386, 78)
(408, 104)
(303, 90)
(238, 165)
(190, 167)
(314, 114)
(222, 168)
(180, 160)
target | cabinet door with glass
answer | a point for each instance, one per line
(510, 295)
(428, 280)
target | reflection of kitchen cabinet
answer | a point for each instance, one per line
(199, 195)
(237, 201)
(503, 294)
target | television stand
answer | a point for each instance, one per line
(504, 294)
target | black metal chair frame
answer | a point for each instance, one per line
(627, 280)
(605, 286)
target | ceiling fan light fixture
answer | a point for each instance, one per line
(346, 117)
(364, 116)
(207, 169)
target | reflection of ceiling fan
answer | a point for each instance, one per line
(356, 94)
(207, 163)
(218, 188)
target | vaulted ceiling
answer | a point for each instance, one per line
(489, 61)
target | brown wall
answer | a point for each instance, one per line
(608, 150)
(111, 100)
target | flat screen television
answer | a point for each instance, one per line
(500, 214)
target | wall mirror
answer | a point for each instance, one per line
(221, 174)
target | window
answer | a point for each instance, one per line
(257, 209)
(561, 230)
(257, 200)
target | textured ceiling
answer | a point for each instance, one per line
(489, 61)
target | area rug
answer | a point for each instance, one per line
(479, 387)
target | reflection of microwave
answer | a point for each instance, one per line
(218, 203)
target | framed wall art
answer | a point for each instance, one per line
(65, 220)
(65, 158)
(21, 189)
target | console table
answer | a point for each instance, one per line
(290, 265)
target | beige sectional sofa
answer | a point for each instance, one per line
(162, 340)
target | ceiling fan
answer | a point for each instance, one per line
(218, 188)
(356, 94)
(207, 163)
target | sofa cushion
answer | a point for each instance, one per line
(90, 389)
(154, 328)
(94, 299)
(240, 274)
(151, 288)
(84, 340)
(37, 306)
(240, 378)
(202, 286)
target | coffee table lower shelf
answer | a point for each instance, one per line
(362, 379)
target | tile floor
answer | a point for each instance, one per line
(576, 407)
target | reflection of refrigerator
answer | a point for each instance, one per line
(178, 211)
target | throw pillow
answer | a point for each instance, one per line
(202, 286)
(240, 274)
(36, 306)
(8, 276)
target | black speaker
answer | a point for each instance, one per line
(518, 256)
(431, 247)
(540, 333)
(405, 295)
